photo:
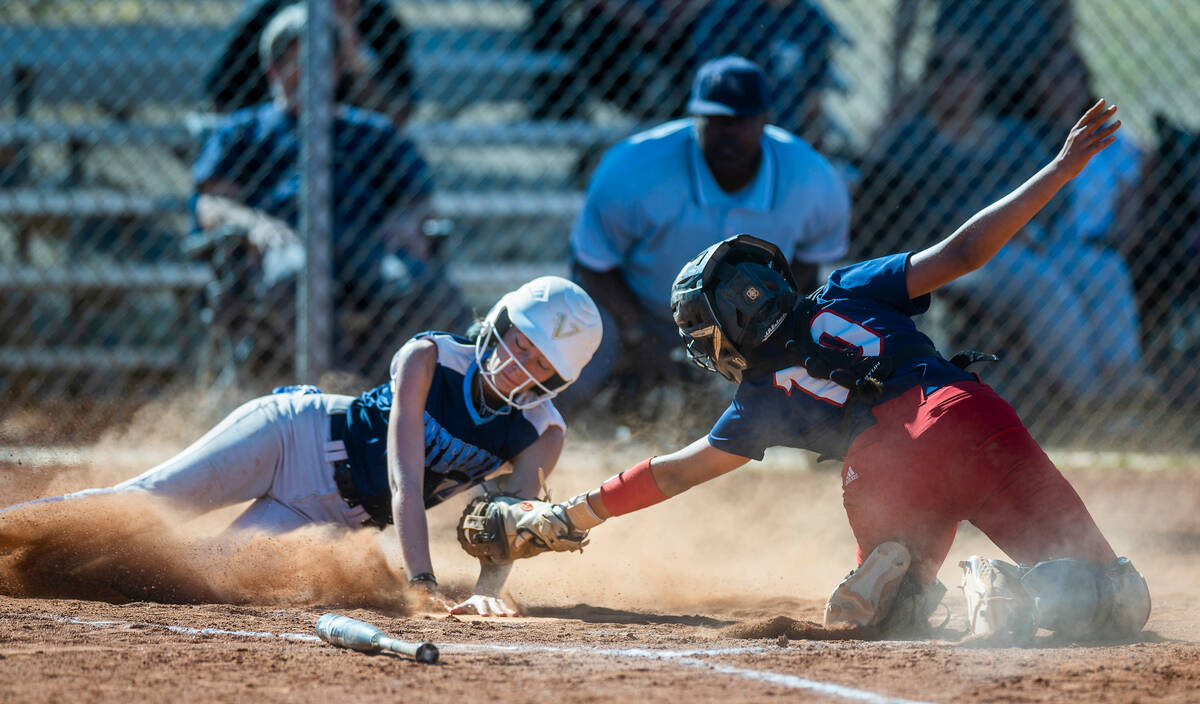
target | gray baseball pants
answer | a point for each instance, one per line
(275, 451)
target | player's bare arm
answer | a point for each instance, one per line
(535, 463)
(411, 381)
(981, 237)
(565, 526)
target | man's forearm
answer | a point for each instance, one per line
(805, 274)
(264, 231)
(403, 229)
(216, 210)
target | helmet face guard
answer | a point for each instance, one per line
(729, 300)
(526, 394)
(708, 348)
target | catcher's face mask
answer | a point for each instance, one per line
(555, 322)
(729, 300)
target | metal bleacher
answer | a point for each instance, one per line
(119, 67)
(116, 70)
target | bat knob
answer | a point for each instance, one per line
(427, 653)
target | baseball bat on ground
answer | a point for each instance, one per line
(357, 635)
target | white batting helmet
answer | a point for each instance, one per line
(559, 318)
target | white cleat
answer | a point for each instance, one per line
(865, 595)
(994, 605)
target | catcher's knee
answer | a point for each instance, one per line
(1071, 597)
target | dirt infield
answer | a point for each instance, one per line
(651, 611)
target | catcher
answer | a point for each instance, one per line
(455, 413)
(924, 444)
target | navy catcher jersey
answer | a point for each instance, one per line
(865, 309)
(461, 447)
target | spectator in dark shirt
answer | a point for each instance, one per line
(248, 177)
(940, 159)
(1011, 40)
(929, 168)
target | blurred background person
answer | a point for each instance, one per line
(661, 195)
(1093, 228)
(375, 72)
(1064, 299)
(1011, 39)
(941, 158)
(247, 181)
(1164, 254)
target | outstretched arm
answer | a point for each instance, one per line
(652, 481)
(642, 485)
(978, 240)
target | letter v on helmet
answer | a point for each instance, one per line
(563, 327)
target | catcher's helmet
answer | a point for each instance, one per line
(729, 300)
(559, 318)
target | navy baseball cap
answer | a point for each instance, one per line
(730, 85)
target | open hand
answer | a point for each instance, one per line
(1089, 135)
(482, 605)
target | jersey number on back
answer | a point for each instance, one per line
(836, 332)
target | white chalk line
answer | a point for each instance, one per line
(174, 629)
(687, 657)
(682, 657)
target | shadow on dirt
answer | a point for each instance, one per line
(601, 614)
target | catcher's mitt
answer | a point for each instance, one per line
(498, 529)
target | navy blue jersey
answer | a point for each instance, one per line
(865, 309)
(462, 448)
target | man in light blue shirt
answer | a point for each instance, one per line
(662, 195)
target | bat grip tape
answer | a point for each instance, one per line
(631, 490)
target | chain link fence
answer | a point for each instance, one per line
(153, 175)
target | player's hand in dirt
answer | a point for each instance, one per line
(1089, 135)
(480, 605)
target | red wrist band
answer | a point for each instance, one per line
(631, 490)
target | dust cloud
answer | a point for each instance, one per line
(126, 547)
(122, 548)
(766, 531)
(768, 539)
(731, 538)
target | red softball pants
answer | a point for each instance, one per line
(961, 454)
